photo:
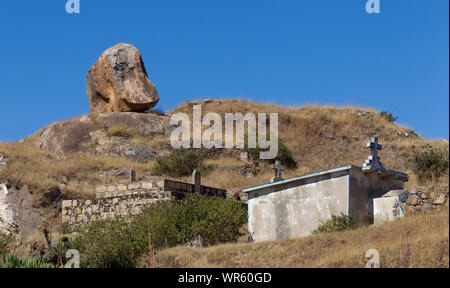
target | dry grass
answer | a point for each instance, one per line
(418, 241)
(43, 172)
(224, 162)
(319, 137)
(121, 131)
(325, 137)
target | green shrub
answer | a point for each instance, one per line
(335, 224)
(430, 164)
(120, 242)
(388, 116)
(5, 239)
(216, 220)
(107, 244)
(284, 155)
(179, 163)
(12, 261)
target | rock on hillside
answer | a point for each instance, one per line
(16, 211)
(74, 135)
(118, 82)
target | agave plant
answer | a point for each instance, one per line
(12, 261)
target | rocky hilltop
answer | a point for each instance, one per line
(119, 93)
(86, 133)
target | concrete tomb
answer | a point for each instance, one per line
(294, 208)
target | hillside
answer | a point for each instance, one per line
(417, 241)
(319, 137)
(101, 149)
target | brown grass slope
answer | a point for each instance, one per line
(320, 137)
(324, 137)
(421, 240)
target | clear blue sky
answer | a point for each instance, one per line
(286, 52)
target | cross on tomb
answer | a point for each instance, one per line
(277, 168)
(373, 162)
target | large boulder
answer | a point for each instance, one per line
(67, 136)
(118, 82)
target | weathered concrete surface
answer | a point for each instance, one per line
(295, 210)
(296, 207)
(364, 187)
(386, 209)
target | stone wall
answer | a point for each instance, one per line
(114, 200)
(126, 189)
(128, 198)
(426, 199)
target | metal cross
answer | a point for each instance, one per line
(277, 169)
(374, 146)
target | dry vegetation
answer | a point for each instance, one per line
(319, 137)
(74, 175)
(421, 240)
(324, 137)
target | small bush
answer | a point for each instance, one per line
(430, 164)
(284, 155)
(388, 116)
(179, 163)
(109, 244)
(215, 220)
(12, 261)
(335, 224)
(121, 241)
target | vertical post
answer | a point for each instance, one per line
(196, 179)
(150, 248)
(132, 175)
